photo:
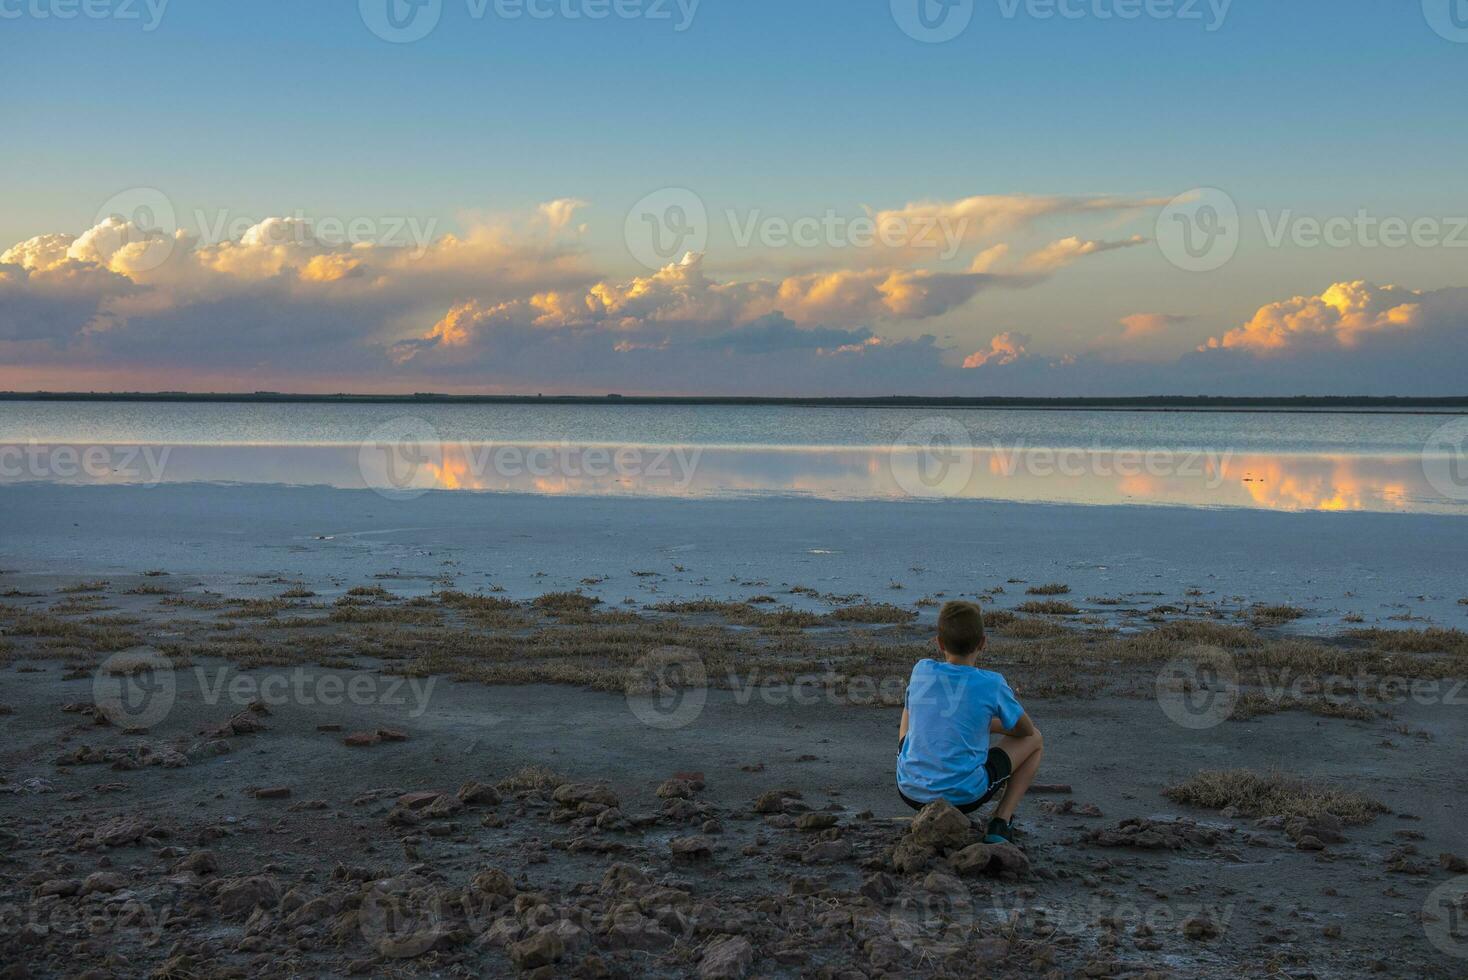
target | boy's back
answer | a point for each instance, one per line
(950, 710)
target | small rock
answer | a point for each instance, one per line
(1200, 928)
(694, 848)
(815, 821)
(541, 949)
(273, 793)
(726, 959)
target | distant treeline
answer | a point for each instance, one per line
(1337, 403)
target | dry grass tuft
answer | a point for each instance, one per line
(1053, 588)
(563, 603)
(1264, 794)
(526, 779)
(1047, 607)
(1275, 615)
(1453, 642)
(874, 612)
(97, 586)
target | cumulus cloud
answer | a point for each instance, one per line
(516, 302)
(1005, 348)
(1345, 315)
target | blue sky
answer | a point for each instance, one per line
(781, 108)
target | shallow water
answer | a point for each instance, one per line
(1271, 460)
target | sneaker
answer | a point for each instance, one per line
(999, 832)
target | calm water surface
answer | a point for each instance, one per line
(1274, 460)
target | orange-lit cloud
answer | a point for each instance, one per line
(1005, 348)
(1342, 316)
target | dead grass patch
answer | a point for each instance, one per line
(1453, 642)
(1051, 588)
(1047, 607)
(873, 612)
(1262, 794)
(97, 586)
(1275, 615)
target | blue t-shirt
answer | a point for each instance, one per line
(949, 707)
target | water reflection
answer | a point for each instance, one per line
(1284, 482)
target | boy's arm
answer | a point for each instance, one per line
(1023, 728)
(902, 727)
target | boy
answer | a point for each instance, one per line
(952, 708)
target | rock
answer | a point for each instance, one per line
(939, 825)
(726, 959)
(1154, 835)
(694, 848)
(573, 938)
(444, 806)
(775, 800)
(478, 794)
(392, 735)
(419, 800)
(1324, 827)
(574, 794)
(910, 857)
(199, 862)
(815, 821)
(991, 859)
(680, 789)
(1200, 928)
(1308, 843)
(273, 793)
(878, 887)
(63, 887)
(104, 882)
(1452, 864)
(631, 930)
(620, 877)
(826, 851)
(493, 881)
(238, 897)
(118, 832)
(361, 740)
(541, 949)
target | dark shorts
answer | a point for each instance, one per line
(998, 767)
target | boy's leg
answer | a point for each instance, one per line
(1024, 755)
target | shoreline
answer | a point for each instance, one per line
(1392, 570)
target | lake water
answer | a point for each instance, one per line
(1394, 461)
